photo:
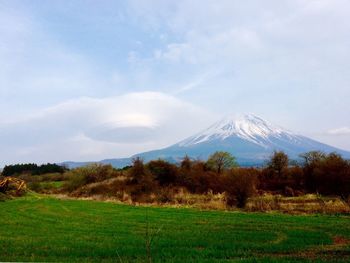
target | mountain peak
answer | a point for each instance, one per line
(248, 137)
(246, 126)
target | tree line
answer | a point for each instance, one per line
(318, 172)
(32, 168)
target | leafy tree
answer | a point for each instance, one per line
(278, 163)
(221, 160)
(312, 157)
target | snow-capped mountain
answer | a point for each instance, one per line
(247, 137)
(247, 127)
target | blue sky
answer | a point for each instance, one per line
(87, 80)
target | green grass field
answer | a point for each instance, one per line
(39, 228)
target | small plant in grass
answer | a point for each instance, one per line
(149, 238)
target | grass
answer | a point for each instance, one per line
(310, 203)
(53, 184)
(41, 228)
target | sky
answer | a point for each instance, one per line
(89, 80)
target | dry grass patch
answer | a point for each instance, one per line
(310, 203)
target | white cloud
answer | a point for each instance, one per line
(340, 131)
(92, 129)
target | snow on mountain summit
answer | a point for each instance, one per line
(248, 127)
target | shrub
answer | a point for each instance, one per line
(199, 179)
(327, 174)
(164, 173)
(141, 181)
(290, 177)
(88, 174)
(165, 195)
(240, 184)
(53, 177)
(288, 191)
(75, 181)
(35, 186)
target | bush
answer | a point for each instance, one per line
(164, 173)
(75, 181)
(141, 181)
(165, 195)
(88, 174)
(240, 184)
(35, 186)
(53, 177)
(327, 174)
(291, 177)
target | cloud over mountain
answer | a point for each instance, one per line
(95, 128)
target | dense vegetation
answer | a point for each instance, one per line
(159, 181)
(319, 173)
(42, 229)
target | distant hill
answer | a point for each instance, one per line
(248, 137)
